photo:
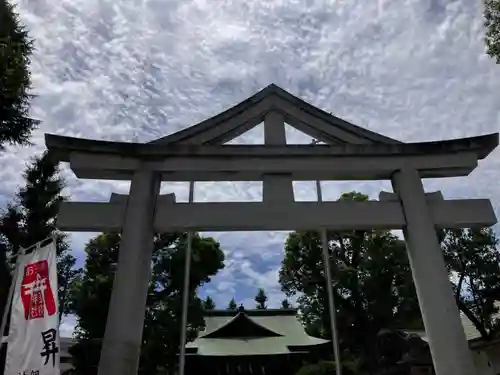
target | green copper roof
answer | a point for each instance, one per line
(241, 326)
(281, 322)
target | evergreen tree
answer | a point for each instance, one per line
(208, 304)
(285, 304)
(472, 256)
(232, 304)
(492, 24)
(15, 81)
(261, 299)
(92, 291)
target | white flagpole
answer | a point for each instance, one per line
(185, 292)
(8, 302)
(329, 287)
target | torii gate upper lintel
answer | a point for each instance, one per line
(198, 154)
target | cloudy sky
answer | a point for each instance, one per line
(135, 70)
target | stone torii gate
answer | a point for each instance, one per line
(198, 153)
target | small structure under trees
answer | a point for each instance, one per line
(257, 342)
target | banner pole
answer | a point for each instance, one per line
(37, 245)
(12, 287)
(185, 292)
(329, 287)
(331, 302)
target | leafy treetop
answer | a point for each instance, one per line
(232, 304)
(208, 303)
(261, 299)
(15, 82)
(285, 304)
(492, 24)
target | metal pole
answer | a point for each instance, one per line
(331, 302)
(329, 288)
(185, 292)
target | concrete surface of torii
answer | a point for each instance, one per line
(198, 153)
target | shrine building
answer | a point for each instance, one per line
(257, 342)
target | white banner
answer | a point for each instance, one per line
(33, 341)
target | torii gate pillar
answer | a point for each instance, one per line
(446, 336)
(121, 346)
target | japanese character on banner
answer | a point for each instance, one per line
(50, 348)
(36, 292)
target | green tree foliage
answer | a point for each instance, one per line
(373, 286)
(261, 299)
(349, 367)
(15, 50)
(492, 24)
(320, 368)
(232, 304)
(285, 304)
(472, 257)
(161, 336)
(208, 304)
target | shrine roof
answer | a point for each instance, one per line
(288, 334)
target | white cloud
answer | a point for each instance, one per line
(226, 286)
(135, 70)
